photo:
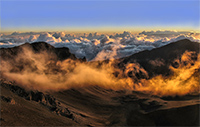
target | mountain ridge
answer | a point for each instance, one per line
(61, 53)
(166, 54)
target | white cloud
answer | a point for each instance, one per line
(94, 46)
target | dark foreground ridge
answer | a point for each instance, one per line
(91, 106)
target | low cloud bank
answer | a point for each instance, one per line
(39, 71)
(96, 46)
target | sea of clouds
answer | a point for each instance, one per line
(96, 46)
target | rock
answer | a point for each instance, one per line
(1, 119)
(8, 99)
(37, 96)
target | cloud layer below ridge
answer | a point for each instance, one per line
(96, 46)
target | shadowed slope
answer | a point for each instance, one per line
(157, 61)
(37, 47)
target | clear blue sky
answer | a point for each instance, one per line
(66, 15)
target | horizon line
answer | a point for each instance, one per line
(99, 31)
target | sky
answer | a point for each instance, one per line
(81, 15)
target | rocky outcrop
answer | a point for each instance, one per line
(44, 99)
(8, 99)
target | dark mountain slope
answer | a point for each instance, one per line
(31, 108)
(37, 47)
(92, 106)
(157, 61)
(27, 57)
(168, 52)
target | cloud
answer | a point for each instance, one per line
(48, 38)
(8, 45)
(41, 71)
(95, 46)
(163, 33)
(37, 71)
(32, 38)
(58, 35)
(182, 82)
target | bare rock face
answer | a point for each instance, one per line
(8, 99)
(63, 112)
(19, 91)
